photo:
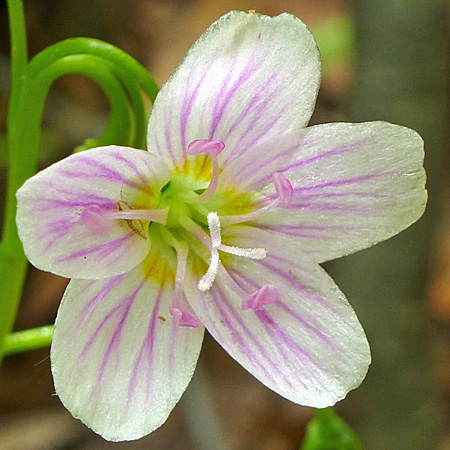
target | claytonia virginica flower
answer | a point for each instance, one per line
(221, 224)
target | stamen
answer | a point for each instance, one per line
(265, 295)
(96, 220)
(152, 215)
(197, 231)
(231, 283)
(284, 190)
(240, 218)
(99, 222)
(283, 187)
(205, 146)
(179, 308)
(212, 148)
(182, 254)
(182, 315)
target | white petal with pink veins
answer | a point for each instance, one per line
(248, 78)
(353, 186)
(59, 213)
(119, 362)
(307, 344)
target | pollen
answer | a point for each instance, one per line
(134, 225)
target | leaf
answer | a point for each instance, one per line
(327, 431)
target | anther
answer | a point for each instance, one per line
(284, 191)
(182, 314)
(265, 295)
(212, 148)
(283, 187)
(205, 146)
(96, 220)
(99, 222)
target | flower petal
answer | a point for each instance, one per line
(51, 204)
(309, 346)
(354, 185)
(119, 363)
(245, 80)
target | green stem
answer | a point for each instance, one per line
(120, 76)
(25, 134)
(13, 263)
(22, 341)
(18, 44)
(124, 65)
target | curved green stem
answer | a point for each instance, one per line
(29, 114)
(121, 78)
(124, 64)
(118, 130)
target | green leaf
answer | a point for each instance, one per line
(327, 431)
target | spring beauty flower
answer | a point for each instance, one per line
(221, 224)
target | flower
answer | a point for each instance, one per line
(221, 224)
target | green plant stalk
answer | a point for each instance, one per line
(18, 39)
(13, 263)
(31, 339)
(24, 135)
(125, 65)
(122, 79)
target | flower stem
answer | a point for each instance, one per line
(31, 339)
(13, 263)
(122, 78)
(18, 41)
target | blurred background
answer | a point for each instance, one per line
(383, 60)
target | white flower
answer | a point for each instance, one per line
(221, 224)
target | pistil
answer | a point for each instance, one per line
(216, 241)
(213, 243)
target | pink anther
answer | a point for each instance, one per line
(283, 187)
(205, 146)
(182, 314)
(96, 220)
(211, 148)
(265, 295)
